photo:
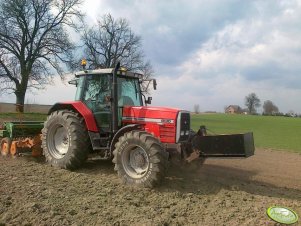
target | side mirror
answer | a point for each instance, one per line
(154, 84)
(149, 100)
(73, 82)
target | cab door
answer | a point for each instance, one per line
(96, 96)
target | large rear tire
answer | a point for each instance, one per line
(140, 159)
(65, 140)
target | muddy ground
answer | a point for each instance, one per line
(221, 192)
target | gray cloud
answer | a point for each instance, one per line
(172, 30)
(214, 53)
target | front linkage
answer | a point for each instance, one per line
(202, 145)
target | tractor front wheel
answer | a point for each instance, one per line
(140, 159)
(5, 145)
(65, 140)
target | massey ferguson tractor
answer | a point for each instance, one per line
(110, 118)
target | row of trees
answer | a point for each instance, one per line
(35, 44)
(252, 102)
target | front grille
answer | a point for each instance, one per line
(166, 132)
(183, 126)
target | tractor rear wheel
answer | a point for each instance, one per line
(5, 145)
(140, 159)
(65, 139)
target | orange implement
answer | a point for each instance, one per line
(5, 145)
(20, 145)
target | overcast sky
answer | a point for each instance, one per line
(212, 53)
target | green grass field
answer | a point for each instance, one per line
(269, 132)
(25, 116)
(280, 133)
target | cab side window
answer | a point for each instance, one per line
(128, 93)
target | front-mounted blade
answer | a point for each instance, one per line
(225, 145)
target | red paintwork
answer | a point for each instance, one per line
(159, 121)
(164, 130)
(85, 112)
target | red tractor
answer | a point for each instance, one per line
(110, 118)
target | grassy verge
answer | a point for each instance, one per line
(24, 116)
(269, 132)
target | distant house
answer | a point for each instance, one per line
(234, 109)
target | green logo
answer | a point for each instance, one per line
(282, 215)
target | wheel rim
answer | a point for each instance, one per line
(4, 148)
(135, 161)
(58, 144)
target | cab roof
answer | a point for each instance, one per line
(109, 71)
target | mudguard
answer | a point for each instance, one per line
(80, 108)
(122, 131)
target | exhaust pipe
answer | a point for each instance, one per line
(115, 100)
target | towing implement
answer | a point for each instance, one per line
(21, 137)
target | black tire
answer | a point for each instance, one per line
(139, 151)
(65, 140)
(5, 145)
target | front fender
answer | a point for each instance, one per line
(121, 132)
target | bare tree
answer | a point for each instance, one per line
(269, 108)
(196, 108)
(34, 43)
(112, 41)
(252, 102)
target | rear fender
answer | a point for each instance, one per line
(80, 108)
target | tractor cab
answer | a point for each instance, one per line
(95, 89)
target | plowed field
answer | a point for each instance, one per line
(221, 192)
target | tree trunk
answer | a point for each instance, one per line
(21, 89)
(20, 98)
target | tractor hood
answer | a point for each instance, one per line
(170, 125)
(149, 114)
